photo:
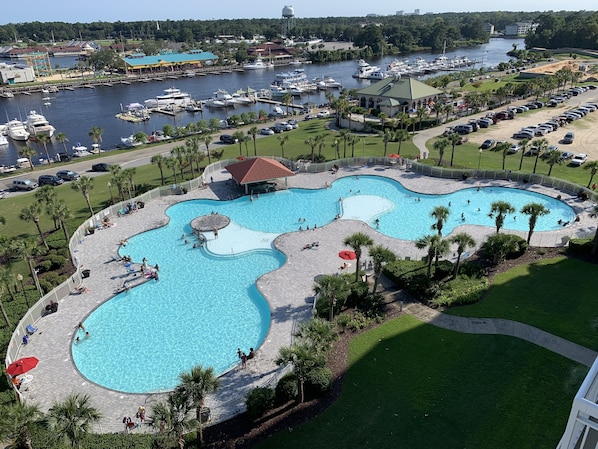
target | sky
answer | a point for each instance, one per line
(132, 10)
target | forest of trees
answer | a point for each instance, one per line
(573, 29)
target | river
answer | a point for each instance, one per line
(76, 112)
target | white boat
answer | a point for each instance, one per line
(16, 130)
(327, 82)
(364, 70)
(258, 64)
(80, 150)
(377, 76)
(193, 107)
(171, 97)
(157, 136)
(6, 94)
(242, 99)
(221, 99)
(37, 124)
(130, 141)
(3, 140)
(295, 62)
(296, 77)
(96, 148)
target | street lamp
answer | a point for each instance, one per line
(480, 159)
(20, 279)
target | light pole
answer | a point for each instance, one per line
(20, 279)
(480, 159)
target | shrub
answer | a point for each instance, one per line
(343, 320)
(259, 401)
(45, 265)
(402, 272)
(372, 306)
(318, 381)
(580, 246)
(46, 286)
(286, 389)
(462, 290)
(358, 292)
(499, 247)
(445, 268)
(57, 260)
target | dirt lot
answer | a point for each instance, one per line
(585, 129)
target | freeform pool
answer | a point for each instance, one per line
(206, 304)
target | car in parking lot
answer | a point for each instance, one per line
(578, 159)
(523, 135)
(323, 114)
(485, 122)
(565, 156)
(463, 129)
(266, 131)
(283, 126)
(310, 117)
(50, 180)
(228, 139)
(514, 148)
(102, 166)
(569, 137)
(293, 123)
(24, 184)
(67, 175)
(487, 144)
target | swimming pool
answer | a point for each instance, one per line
(206, 304)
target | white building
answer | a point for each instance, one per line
(582, 428)
(16, 73)
(520, 28)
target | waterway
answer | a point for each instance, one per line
(76, 112)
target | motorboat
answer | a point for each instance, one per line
(221, 99)
(80, 150)
(364, 70)
(130, 141)
(193, 107)
(327, 82)
(96, 148)
(295, 62)
(258, 64)
(16, 130)
(171, 97)
(134, 113)
(377, 76)
(242, 100)
(37, 124)
(3, 140)
(157, 136)
(296, 77)
(6, 94)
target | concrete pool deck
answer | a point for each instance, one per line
(288, 290)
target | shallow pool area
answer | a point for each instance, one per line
(206, 303)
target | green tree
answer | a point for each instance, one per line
(140, 137)
(73, 418)
(239, 136)
(253, 132)
(400, 136)
(60, 212)
(304, 359)
(331, 288)
(440, 214)
(172, 418)
(435, 246)
(453, 139)
(17, 420)
(196, 385)
(498, 246)
(282, 140)
(318, 333)
(440, 146)
(593, 167)
(500, 209)
(207, 140)
(463, 241)
(33, 213)
(287, 100)
(503, 148)
(84, 185)
(381, 256)
(44, 139)
(28, 152)
(96, 134)
(356, 242)
(534, 210)
(344, 134)
(159, 160)
(47, 195)
(387, 136)
(523, 145)
(28, 249)
(62, 138)
(552, 157)
(174, 164)
(311, 142)
(541, 145)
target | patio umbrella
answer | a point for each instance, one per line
(21, 366)
(347, 255)
(394, 156)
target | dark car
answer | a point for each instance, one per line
(102, 166)
(67, 175)
(228, 139)
(50, 180)
(488, 143)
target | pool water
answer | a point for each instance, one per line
(206, 304)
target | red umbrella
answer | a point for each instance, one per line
(241, 158)
(21, 366)
(347, 255)
(394, 156)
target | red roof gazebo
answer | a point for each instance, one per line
(256, 170)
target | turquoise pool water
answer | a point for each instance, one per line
(206, 304)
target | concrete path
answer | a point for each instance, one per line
(496, 326)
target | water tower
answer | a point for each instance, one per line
(288, 20)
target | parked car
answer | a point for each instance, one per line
(485, 122)
(50, 180)
(323, 114)
(523, 135)
(102, 166)
(578, 159)
(293, 123)
(284, 126)
(227, 139)
(463, 129)
(266, 131)
(310, 117)
(67, 175)
(566, 155)
(514, 148)
(24, 184)
(569, 137)
(487, 144)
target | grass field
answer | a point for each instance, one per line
(417, 386)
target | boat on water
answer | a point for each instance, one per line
(295, 62)
(258, 64)
(16, 130)
(157, 136)
(3, 140)
(96, 148)
(297, 77)
(38, 124)
(171, 97)
(80, 150)
(130, 141)
(364, 70)
(6, 94)
(327, 82)
(221, 99)
(193, 107)
(134, 113)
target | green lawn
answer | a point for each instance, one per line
(555, 295)
(416, 386)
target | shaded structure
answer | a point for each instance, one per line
(210, 222)
(256, 172)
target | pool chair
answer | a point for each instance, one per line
(31, 329)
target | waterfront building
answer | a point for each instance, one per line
(141, 63)
(16, 73)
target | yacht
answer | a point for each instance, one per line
(327, 82)
(80, 150)
(364, 70)
(193, 107)
(37, 124)
(296, 77)
(258, 64)
(3, 140)
(17, 131)
(221, 99)
(130, 141)
(6, 94)
(377, 76)
(171, 97)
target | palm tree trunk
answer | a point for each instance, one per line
(456, 271)
(4, 313)
(89, 204)
(41, 234)
(199, 426)
(66, 234)
(34, 276)
(161, 175)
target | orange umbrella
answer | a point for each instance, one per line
(394, 156)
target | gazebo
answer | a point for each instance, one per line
(257, 171)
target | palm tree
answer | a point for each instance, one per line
(43, 139)
(332, 289)
(28, 152)
(436, 247)
(501, 209)
(534, 210)
(421, 112)
(196, 385)
(319, 333)
(32, 213)
(239, 136)
(174, 164)
(159, 160)
(593, 167)
(282, 140)
(17, 421)
(62, 138)
(356, 242)
(552, 157)
(28, 249)
(353, 140)
(207, 140)
(128, 173)
(7, 279)
(287, 100)
(178, 153)
(440, 145)
(463, 241)
(96, 135)
(84, 185)
(344, 134)
(523, 145)
(503, 147)
(541, 145)
(381, 256)
(454, 139)
(304, 359)
(2, 285)
(441, 214)
(47, 195)
(253, 132)
(59, 211)
(320, 140)
(172, 417)
(73, 418)
(400, 136)
(387, 136)
(311, 142)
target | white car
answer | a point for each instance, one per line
(323, 114)
(578, 159)
(266, 131)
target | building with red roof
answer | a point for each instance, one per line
(257, 171)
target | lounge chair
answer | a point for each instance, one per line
(31, 329)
